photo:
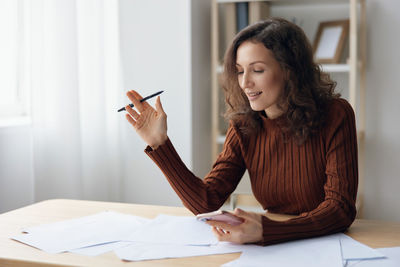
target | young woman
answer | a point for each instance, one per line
(288, 128)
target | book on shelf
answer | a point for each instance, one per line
(242, 15)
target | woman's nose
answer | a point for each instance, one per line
(246, 81)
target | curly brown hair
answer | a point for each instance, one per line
(307, 90)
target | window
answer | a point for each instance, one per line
(14, 59)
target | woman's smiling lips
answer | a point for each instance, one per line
(253, 95)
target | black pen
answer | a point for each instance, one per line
(141, 100)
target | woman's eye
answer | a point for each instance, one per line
(239, 72)
(259, 71)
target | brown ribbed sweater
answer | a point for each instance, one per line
(316, 180)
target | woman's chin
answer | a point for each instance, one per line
(256, 107)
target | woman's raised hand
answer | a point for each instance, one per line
(149, 123)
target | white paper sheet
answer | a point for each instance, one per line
(178, 230)
(321, 251)
(100, 249)
(354, 250)
(76, 222)
(392, 259)
(63, 236)
(146, 251)
(392, 253)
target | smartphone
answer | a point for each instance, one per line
(221, 216)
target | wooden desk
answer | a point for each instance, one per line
(13, 253)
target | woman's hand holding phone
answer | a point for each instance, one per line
(237, 227)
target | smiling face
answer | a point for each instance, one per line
(261, 77)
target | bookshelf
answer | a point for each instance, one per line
(223, 29)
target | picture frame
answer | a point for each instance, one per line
(330, 39)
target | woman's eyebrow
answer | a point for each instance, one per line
(252, 63)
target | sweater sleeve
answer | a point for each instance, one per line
(337, 212)
(210, 193)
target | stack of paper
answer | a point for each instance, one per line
(165, 229)
(327, 251)
(102, 228)
(134, 238)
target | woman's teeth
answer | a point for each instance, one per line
(254, 93)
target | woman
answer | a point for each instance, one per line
(288, 128)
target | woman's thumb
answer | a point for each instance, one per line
(238, 212)
(241, 213)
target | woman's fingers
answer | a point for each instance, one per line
(131, 120)
(222, 225)
(135, 98)
(132, 112)
(132, 116)
(221, 234)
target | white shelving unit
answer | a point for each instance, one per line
(223, 29)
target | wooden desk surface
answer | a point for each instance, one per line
(13, 253)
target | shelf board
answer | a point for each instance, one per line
(335, 67)
(220, 69)
(221, 139)
(360, 136)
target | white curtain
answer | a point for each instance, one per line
(76, 90)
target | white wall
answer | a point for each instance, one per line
(157, 37)
(382, 198)
(155, 56)
(201, 85)
(16, 164)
